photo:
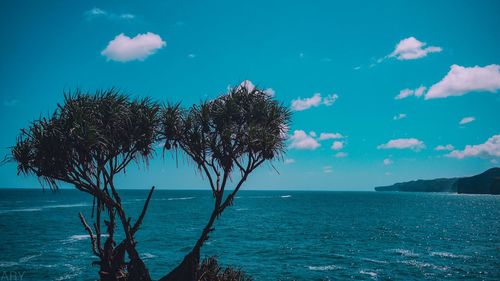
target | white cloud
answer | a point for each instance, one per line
(289, 161)
(490, 148)
(388, 161)
(462, 80)
(341, 154)
(466, 120)
(408, 143)
(399, 116)
(191, 56)
(306, 103)
(330, 99)
(97, 12)
(411, 48)
(327, 169)
(249, 85)
(337, 145)
(124, 48)
(314, 101)
(444, 147)
(270, 92)
(301, 140)
(327, 136)
(418, 92)
(127, 16)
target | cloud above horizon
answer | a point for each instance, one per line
(250, 86)
(337, 145)
(316, 100)
(490, 148)
(403, 143)
(97, 12)
(467, 120)
(328, 136)
(418, 92)
(399, 116)
(123, 48)
(411, 48)
(444, 147)
(388, 161)
(301, 140)
(462, 80)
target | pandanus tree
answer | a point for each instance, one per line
(86, 142)
(227, 138)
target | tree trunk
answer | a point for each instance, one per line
(188, 269)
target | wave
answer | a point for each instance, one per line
(370, 273)
(421, 265)
(241, 209)
(21, 210)
(38, 209)
(324, 267)
(73, 272)
(286, 196)
(375, 261)
(448, 255)
(148, 256)
(65, 206)
(78, 237)
(404, 252)
(8, 263)
(180, 198)
(28, 258)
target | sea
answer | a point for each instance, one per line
(270, 235)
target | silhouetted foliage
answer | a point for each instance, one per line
(228, 136)
(86, 142)
(210, 270)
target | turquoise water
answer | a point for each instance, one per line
(269, 234)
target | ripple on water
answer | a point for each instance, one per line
(325, 267)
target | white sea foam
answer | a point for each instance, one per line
(73, 272)
(241, 209)
(28, 258)
(286, 196)
(65, 206)
(370, 273)
(79, 237)
(448, 255)
(180, 198)
(20, 210)
(148, 256)
(404, 252)
(8, 263)
(324, 267)
(375, 261)
(37, 209)
(421, 265)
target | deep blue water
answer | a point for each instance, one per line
(271, 235)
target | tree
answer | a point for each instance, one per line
(229, 136)
(86, 142)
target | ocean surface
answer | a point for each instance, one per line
(271, 235)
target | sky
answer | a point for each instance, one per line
(381, 91)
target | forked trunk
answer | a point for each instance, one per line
(188, 269)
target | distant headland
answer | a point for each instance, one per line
(487, 182)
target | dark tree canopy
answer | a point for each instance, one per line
(238, 130)
(87, 135)
(232, 134)
(86, 142)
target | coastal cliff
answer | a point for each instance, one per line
(487, 182)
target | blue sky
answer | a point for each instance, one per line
(386, 83)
